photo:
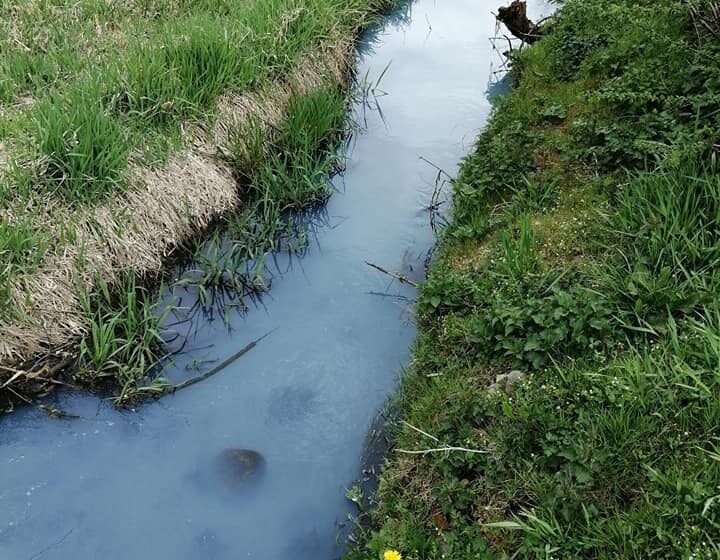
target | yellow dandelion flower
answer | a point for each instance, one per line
(392, 555)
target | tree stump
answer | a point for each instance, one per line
(514, 17)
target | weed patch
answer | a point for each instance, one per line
(83, 149)
(22, 249)
(125, 342)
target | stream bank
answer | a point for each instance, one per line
(564, 394)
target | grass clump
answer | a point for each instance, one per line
(125, 343)
(583, 253)
(304, 153)
(667, 246)
(84, 150)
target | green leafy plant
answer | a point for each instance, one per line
(125, 340)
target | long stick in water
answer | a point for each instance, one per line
(219, 367)
(399, 277)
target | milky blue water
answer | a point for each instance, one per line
(141, 484)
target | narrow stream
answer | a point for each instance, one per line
(145, 484)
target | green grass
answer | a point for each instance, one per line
(94, 106)
(669, 244)
(125, 344)
(84, 150)
(583, 251)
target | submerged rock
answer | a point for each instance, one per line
(237, 466)
(230, 473)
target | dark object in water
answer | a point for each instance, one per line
(237, 466)
(231, 474)
(515, 19)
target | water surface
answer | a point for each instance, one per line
(141, 484)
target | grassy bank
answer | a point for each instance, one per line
(128, 128)
(583, 253)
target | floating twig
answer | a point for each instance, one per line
(399, 277)
(53, 545)
(219, 367)
(398, 297)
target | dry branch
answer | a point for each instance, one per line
(397, 276)
(445, 448)
(439, 450)
(217, 369)
(707, 17)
